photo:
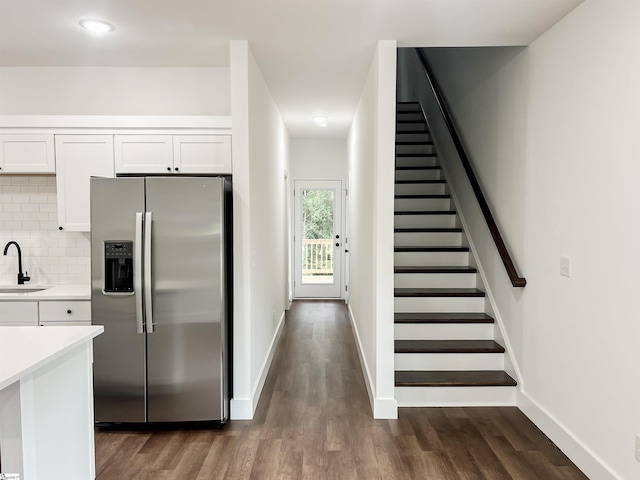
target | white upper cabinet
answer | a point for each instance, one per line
(28, 153)
(143, 153)
(210, 154)
(79, 157)
(202, 153)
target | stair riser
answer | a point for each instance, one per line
(429, 259)
(412, 127)
(418, 174)
(435, 280)
(409, 116)
(455, 396)
(424, 221)
(416, 162)
(449, 361)
(413, 137)
(420, 189)
(439, 331)
(438, 304)
(419, 204)
(427, 239)
(404, 149)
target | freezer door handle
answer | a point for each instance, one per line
(148, 303)
(137, 273)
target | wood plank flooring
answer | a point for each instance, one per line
(314, 422)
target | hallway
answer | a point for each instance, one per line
(314, 421)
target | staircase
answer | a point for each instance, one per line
(445, 348)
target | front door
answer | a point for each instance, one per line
(318, 238)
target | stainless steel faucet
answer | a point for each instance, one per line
(21, 278)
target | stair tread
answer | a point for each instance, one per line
(437, 292)
(426, 142)
(435, 317)
(432, 248)
(447, 346)
(425, 212)
(458, 378)
(404, 155)
(435, 270)
(419, 167)
(428, 230)
(412, 196)
(419, 182)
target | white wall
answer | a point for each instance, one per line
(114, 91)
(261, 159)
(371, 145)
(318, 159)
(552, 133)
(28, 215)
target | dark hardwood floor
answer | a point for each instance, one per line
(314, 422)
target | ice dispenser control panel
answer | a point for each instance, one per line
(118, 266)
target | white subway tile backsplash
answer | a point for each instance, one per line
(28, 215)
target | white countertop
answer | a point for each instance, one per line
(50, 292)
(23, 350)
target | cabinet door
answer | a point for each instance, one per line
(79, 157)
(202, 154)
(143, 153)
(27, 154)
(19, 313)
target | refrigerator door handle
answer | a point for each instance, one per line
(137, 273)
(148, 303)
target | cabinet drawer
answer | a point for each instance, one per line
(19, 313)
(65, 324)
(71, 311)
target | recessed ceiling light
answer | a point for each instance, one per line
(96, 26)
(321, 120)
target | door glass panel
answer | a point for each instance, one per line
(317, 236)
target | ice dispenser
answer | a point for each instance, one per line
(118, 267)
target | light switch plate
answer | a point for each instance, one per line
(565, 266)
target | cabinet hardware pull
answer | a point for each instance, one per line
(69, 312)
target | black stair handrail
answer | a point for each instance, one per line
(516, 279)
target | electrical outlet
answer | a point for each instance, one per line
(565, 266)
(638, 447)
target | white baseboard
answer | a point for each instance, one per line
(382, 408)
(586, 460)
(244, 408)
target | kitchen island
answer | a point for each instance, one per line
(46, 402)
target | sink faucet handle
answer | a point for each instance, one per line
(23, 278)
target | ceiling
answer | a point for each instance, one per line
(314, 54)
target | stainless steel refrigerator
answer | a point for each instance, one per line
(160, 286)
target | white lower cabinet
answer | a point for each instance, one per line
(19, 314)
(77, 312)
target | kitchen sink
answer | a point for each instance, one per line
(21, 290)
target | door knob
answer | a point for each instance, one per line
(337, 244)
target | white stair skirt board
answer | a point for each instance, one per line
(418, 174)
(435, 259)
(443, 331)
(455, 396)
(424, 221)
(434, 280)
(416, 161)
(427, 239)
(421, 204)
(439, 304)
(448, 361)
